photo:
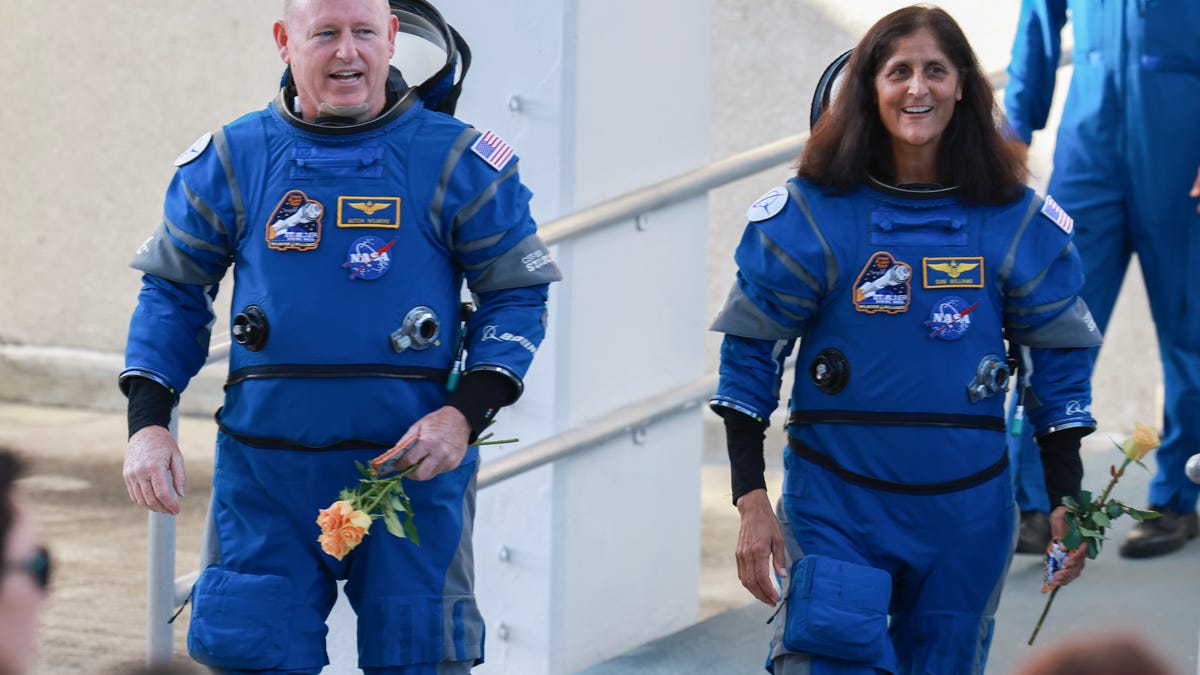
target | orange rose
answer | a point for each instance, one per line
(1143, 440)
(342, 528)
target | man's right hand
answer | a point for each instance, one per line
(760, 543)
(153, 466)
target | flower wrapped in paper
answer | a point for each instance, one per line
(1087, 518)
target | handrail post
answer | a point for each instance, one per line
(160, 589)
(160, 578)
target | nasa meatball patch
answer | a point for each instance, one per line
(950, 318)
(369, 258)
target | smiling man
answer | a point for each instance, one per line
(339, 52)
(351, 213)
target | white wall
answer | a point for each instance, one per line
(602, 549)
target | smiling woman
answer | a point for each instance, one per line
(917, 88)
(900, 260)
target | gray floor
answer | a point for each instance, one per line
(1157, 598)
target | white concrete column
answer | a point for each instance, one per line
(588, 557)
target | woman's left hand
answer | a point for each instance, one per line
(1075, 559)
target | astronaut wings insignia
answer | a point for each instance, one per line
(369, 208)
(953, 269)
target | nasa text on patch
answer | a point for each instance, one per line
(950, 318)
(369, 212)
(492, 149)
(1055, 213)
(295, 224)
(952, 272)
(368, 258)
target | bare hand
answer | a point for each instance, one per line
(760, 543)
(1073, 567)
(153, 466)
(444, 435)
(1196, 189)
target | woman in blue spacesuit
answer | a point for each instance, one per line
(900, 259)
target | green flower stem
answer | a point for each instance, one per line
(1116, 475)
(1045, 611)
(378, 490)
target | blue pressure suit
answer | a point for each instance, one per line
(897, 498)
(349, 247)
(1127, 153)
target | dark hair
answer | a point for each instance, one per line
(10, 471)
(849, 141)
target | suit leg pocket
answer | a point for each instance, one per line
(837, 609)
(239, 620)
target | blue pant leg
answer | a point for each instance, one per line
(416, 603)
(265, 505)
(1163, 160)
(1024, 456)
(820, 539)
(944, 602)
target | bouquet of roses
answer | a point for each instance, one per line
(1087, 518)
(348, 520)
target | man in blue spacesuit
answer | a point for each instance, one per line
(1126, 155)
(351, 214)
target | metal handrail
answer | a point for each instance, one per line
(633, 418)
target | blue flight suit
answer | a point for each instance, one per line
(338, 237)
(897, 500)
(1126, 155)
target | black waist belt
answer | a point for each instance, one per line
(273, 443)
(335, 370)
(828, 463)
(900, 419)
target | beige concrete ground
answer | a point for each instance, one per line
(96, 618)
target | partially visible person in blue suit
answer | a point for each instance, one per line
(1125, 167)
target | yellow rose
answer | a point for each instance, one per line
(1143, 440)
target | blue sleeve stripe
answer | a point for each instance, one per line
(467, 212)
(831, 267)
(789, 263)
(221, 145)
(1010, 258)
(438, 202)
(202, 209)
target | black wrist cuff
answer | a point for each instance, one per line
(150, 404)
(1062, 464)
(744, 437)
(479, 396)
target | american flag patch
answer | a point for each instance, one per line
(492, 149)
(1053, 211)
